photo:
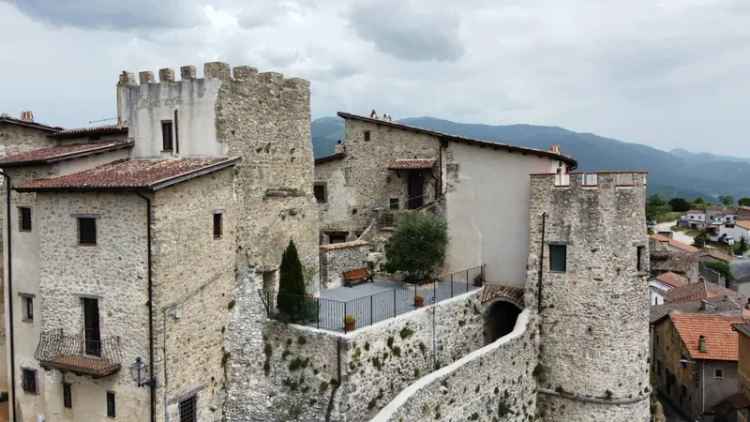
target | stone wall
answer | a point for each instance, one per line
(494, 383)
(299, 373)
(194, 278)
(340, 257)
(594, 315)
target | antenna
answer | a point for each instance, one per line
(102, 120)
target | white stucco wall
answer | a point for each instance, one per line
(145, 106)
(487, 206)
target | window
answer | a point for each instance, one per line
(319, 190)
(111, 409)
(718, 373)
(641, 250)
(393, 204)
(367, 136)
(27, 307)
(87, 230)
(218, 223)
(167, 143)
(28, 380)
(189, 409)
(558, 258)
(67, 396)
(24, 216)
(91, 327)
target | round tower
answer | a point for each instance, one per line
(588, 242)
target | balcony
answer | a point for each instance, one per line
(76, 354)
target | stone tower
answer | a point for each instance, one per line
(594, 302)
(263, 118)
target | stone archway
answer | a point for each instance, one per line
(499, 320)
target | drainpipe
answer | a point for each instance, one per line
(541, 266)
(152, 381)
(9, 293)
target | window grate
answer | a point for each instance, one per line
(28, 308)
(189, 409)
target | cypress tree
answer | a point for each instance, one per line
(291, 297)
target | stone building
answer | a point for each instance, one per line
(384, 169)
(126, 252)
(588, 239)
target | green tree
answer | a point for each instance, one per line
(745, 202)
(417, 246)
(727, 200)
(656, 200)
(741, 247)
(679, 204)
(291, 300)
(655, 207)
(720, 267)
(699, 201)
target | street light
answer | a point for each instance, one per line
(139, 373)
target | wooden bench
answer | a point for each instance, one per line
(356, 276)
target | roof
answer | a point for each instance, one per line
(25, 123)
(717, 254)
(327, 158)
(672, 279)
(90, 131)
(745, 224)
(732, 404)
(343, 245)
(460, 139)
(698, 291)
(674, 243)
(411, 164)
(721, 338)
(130, 175)
(715, 305)
(51, 155)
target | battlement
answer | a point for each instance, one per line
(593, 180)
(212, 70)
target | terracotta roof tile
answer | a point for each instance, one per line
(90, 131)
(674, 243)
(18, 122)
(717, 254)
(411, 164)
(130, 175)
(745, 224)
(54, 154)
(672, 279)
(721, 338)
(698, 291)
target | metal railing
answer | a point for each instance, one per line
(79, 354)
(330, 314)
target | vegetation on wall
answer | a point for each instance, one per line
(417, 246)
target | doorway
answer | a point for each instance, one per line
(500, 320)
(92, 335)
(415, 190)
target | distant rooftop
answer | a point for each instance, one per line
(698, 291)
(460, 139)
(90, 131)
(130, 175)
(55, 154)
(721, 339)
(674, 243)
(672, 279)
(4, 118)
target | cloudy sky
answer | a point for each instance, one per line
(665, 73)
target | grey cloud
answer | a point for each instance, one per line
(114, 14)
(407, 31)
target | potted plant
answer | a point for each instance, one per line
(349, 323)
(418, 301)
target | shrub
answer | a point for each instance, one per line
(417, 246)
(291, 299)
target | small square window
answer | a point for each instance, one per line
(27, 307)
(189, 409)
(24, 216)
(167, 136)
(67, 395)
(111, 408)
(218, 223)
(87, 230)
(28, 378)
(393, 204)
(367, 136)
(319, 190)
(558, 256)
(718, 373)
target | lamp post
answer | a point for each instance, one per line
(139, 373)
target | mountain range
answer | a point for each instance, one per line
(676, 173)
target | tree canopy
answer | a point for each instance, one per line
(291, 299)
(417, 246)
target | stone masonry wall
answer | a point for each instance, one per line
(594, 316)
(292, 372)
(194, 278)
(340, 257)
(265, 119)
(494, 383)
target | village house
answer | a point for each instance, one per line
(663, 283)
(740, 405)
(670, 255)
(695, 360)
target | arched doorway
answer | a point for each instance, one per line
(499, 320)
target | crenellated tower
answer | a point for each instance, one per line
(588, 238)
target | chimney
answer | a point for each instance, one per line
(27, 116)
(702, 344)
(554, 148)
